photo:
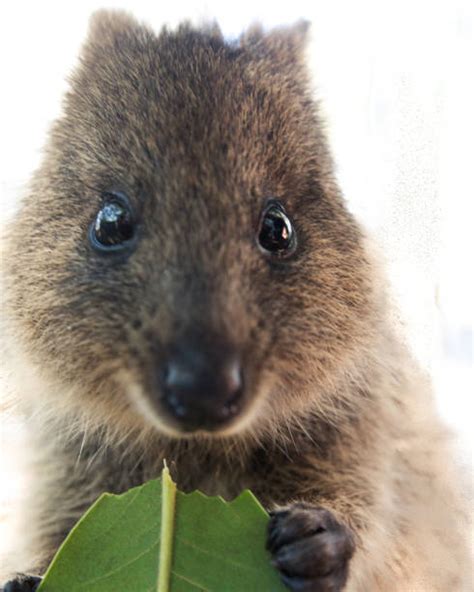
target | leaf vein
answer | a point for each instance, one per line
(189, 581)
(120, 568)
(212, 553)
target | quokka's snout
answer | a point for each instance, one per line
(200, 384)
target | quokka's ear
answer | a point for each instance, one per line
(284, 45)
(114, 43)
(114, 32)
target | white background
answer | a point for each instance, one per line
(396, 81)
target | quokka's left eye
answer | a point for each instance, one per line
(113, 228)
(276, 234)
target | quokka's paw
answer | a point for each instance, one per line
(22, 583)
(310, 548)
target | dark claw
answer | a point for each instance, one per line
(330, 583)
(288, 525)
(22, 584)
(310, 548)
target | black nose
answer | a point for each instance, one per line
(202, 387)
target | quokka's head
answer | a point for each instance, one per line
(183, 258)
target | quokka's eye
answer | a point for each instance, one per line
(276, 234)
(113, 228)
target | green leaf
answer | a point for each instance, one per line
(156, 539)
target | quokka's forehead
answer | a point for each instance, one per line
(129, 73)
(184, 113)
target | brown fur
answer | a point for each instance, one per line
(199, 132)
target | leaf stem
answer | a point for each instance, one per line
(168, 504)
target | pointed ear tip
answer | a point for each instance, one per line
(297, 32)
(295, 35)
(303, 26)
(105, 20)
(301, 30)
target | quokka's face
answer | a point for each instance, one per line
(183, 257)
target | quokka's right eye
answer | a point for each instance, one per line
(276, 235)
(113, 228)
